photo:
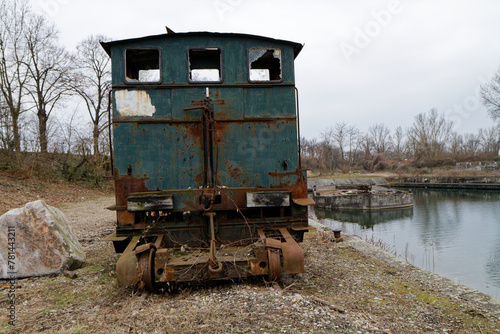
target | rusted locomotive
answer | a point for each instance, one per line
(207, 170)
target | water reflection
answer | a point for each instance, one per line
(492, 268)
(454, 233)
(365, 218)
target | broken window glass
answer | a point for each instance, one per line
(205, 65)
(264, 64)
(142, 65)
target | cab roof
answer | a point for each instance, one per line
(297, 47)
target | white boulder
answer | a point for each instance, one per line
(37, 240)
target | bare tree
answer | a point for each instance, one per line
(398, 143)
(456, 143)
(13, 66)
(48, 71)
(6, 141)
(339, 134)
(344, 138)
(380, 137)
(311, 153)
(93, 82)
(471, 143)
(490, 93)
(365, 145)
(353, 135)
(326, 148)
(69, 130)
(488, 139)
(429, 133)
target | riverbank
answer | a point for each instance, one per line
(397, 281)
(470, 183)
(348, 287)
(330, 182)
(414, 181)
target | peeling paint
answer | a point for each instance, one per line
(134, 103)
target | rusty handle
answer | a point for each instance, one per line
(214, 265)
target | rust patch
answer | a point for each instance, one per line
(293, 257)
(234, 172)
(201, 103)
(126, 269)
(125, 185)
(198, 103)
(125, 217)
(193, 131)
(219, 133)
(199, 179)
(298, 189)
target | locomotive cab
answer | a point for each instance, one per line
(207, 173)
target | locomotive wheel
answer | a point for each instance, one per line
(274, 262)
(147, 269)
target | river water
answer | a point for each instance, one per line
(455, 234)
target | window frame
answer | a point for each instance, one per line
(221, 64)
(248, 64)
(128, 81)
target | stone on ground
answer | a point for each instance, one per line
(42, 240)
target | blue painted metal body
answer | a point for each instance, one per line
(206, 122)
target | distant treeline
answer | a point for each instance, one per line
(429, 142)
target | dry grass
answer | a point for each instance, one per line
(377, 297)
(377, 293)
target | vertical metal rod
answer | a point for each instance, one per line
(214, 265)
(212, 227)
(206, 149)
(298, 124)
(110, 96)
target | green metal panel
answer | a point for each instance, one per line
(159, 128)
(167, 156)
(182, 99)
(249, 151)
(270, 101)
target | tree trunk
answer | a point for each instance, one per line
(342, 161)
(15, 130)
(95, 134)
(42, 130)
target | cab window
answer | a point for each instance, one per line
(205, 65)
(142, 66)
(264, 65)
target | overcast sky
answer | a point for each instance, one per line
(364, 61)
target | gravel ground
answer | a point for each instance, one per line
(349, 287)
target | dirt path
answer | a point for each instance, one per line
(91, 221)
(16, 192)
(348, 287)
